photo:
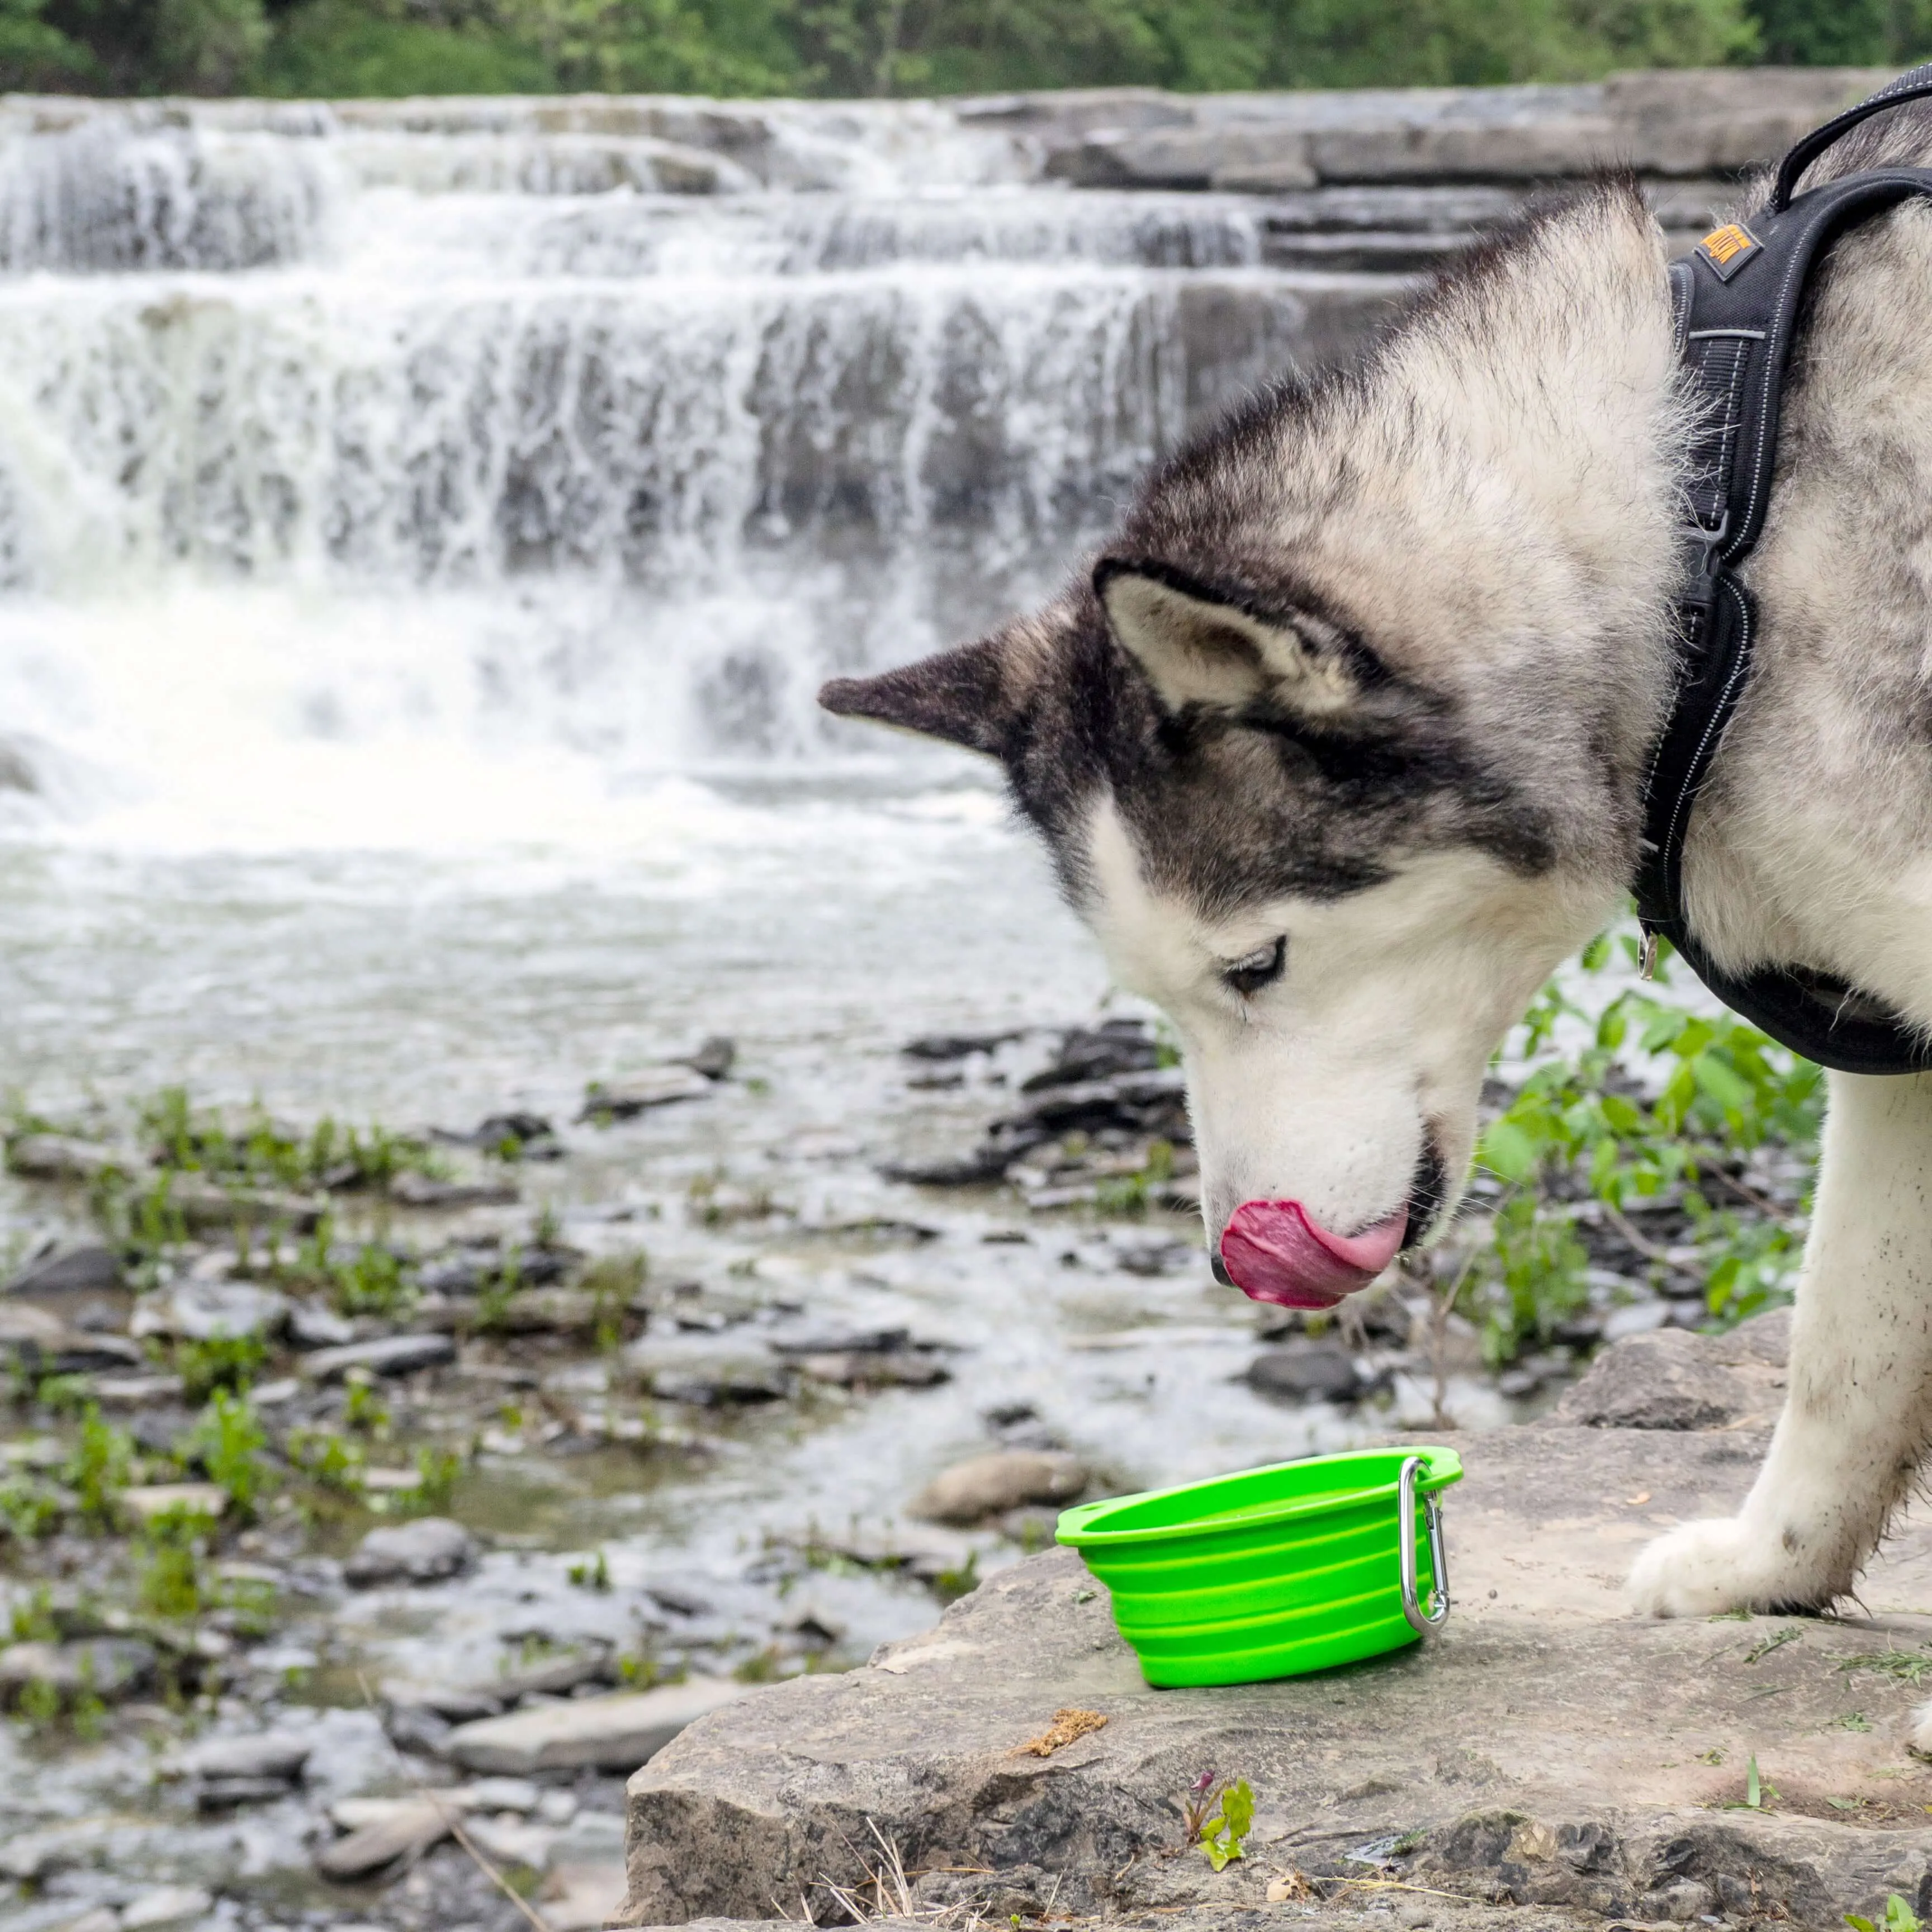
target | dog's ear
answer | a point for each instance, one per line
(963, 696)
(1196, 648)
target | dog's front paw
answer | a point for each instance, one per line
(1701, 1568)
(1920, 1738)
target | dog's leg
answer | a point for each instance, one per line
(1857, 1412)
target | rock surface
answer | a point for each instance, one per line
(421, 1551)
(1004, 1479)
(618, 1732)
(1675, 1378)
(1546, 1750)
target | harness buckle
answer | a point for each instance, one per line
(1646, 968)
(1700, 586)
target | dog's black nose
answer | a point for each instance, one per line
(1220, 1268)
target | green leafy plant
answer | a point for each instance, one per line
(227, 1440)
(364, 1409)
(591, 1573)
(98, 1468)
(222, 1363)
(1217, 1814)
(1898, 1917)
(1658, 1099)
(173, 1582)
(436, 1473)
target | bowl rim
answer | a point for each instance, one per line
(1441, 1467)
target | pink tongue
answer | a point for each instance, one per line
(1274, 1252)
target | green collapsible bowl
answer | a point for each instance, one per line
(1274, 1572)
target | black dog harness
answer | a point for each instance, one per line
(1736, 299)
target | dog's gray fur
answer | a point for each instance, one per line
(1379, 663)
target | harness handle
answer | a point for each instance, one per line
(1912, 86)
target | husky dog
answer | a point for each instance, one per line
(1339, 749)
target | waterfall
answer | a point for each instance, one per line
(611, 426)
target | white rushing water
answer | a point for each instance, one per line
(499, 450)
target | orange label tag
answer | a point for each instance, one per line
(1727, 249)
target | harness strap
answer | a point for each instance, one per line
(1736, 301)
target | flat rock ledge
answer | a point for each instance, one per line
(1547, 1751)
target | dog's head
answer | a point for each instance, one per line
(1338, 747)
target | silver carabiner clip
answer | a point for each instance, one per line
(1424, 1623)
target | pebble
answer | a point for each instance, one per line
(265, 1754)
(76, 1271)
(418, 1190)
(391, 1355)
(621, 1099)
(712, 1385)
(201, 1311)
(60, 1157)
(167, 1905)
(423, 1551)
(107, 1666)
(1307, 1372)
(617, 1733)
(1005, 1479)
(403, 1826)
(144, 1501)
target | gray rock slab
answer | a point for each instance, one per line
(391, 1355)
(425, 1551)
(265, 1754)
(103, 1667)
(1002, 1480)
(1675, 1378)
(1547, 1749)
(75, 1270)
(618, 1732)
(203, 1310)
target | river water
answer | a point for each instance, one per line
(421, 537)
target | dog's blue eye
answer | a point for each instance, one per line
(1261, 968)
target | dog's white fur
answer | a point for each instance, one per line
(1524, 447)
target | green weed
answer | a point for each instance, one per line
(227, 1440)
(1659, 1099)
(591, 1573)
(223, 1364)
(97, 1469)
(173, 1582)
(1899, 1917)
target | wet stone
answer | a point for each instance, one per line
(74, 1270)
(617, 1733)
(107, 1667)
(1315, 1371)
(423, 1551)
(1003, 1479)
(391, 1355)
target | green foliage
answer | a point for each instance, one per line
(365, 1410)
(327, 1460)
(29, 1509)
(229, 1363)
(436, 1473)
(227, 1440)
(97, 1469)
(30, 1618)
(255, 1151)
(173, 1580)
(1658, 1099)
(591, 1573)
(1221, 1836)
(1899, 1917)
(875, 47)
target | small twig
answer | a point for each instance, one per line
(1782, 1216)
(463, 1837)
(1643, 1244)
